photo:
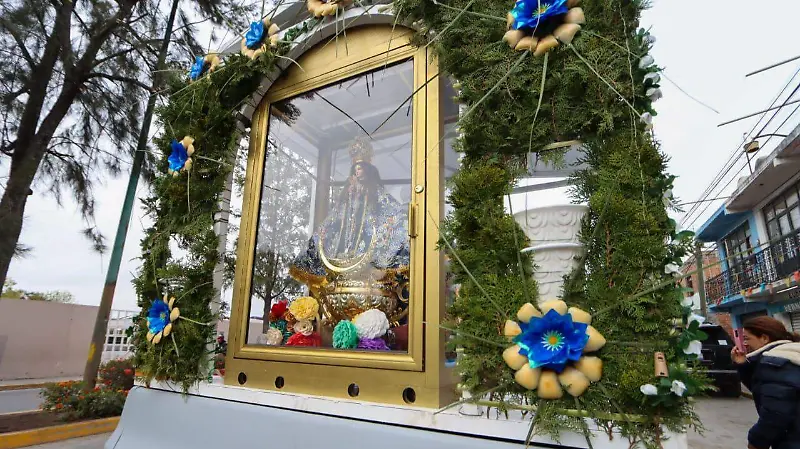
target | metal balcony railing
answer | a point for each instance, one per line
(773, 263)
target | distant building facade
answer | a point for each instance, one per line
(757, 233)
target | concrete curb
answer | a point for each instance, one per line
(34, 385)
(57, 433)
(23, 386)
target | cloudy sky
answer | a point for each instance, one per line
(706, 46)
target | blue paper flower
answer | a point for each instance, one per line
(552, 340)
(177, 159)
(158, 316)
(197, 68)
(528, 14)
(255, 35)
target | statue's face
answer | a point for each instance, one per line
(359, 172)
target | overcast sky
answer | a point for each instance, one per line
(706, 46)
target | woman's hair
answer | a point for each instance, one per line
(371, 181)
(770, 327)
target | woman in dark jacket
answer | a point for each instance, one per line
(771, 371)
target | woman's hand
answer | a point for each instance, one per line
(738, 356)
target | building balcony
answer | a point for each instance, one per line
(772, 264)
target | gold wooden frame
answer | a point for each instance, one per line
(380, 376)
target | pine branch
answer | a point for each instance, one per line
(119, 78)
(17, 35)
(117, 54)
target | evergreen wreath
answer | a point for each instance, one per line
(591, 90)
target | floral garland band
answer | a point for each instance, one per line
(321, 8)
(549, 348)
(541, 25)
(255, 40)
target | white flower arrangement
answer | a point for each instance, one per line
(648, 390)
(371, 324)
(678, 388)
(695, 347)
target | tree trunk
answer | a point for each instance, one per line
(12, 207)
(31, 143)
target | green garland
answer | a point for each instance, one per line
(624, 233)
(183, 211)
(507, 117)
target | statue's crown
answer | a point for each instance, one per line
(361, 151)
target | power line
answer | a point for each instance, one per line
(768, 139)
(732, 159)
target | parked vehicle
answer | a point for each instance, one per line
(716, 359)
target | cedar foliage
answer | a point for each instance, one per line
(183, 212)
(627, 233)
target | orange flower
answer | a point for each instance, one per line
(59, 406)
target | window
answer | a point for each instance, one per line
(783, 214)
(737, 244)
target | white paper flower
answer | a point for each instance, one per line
(647, 119)
(695, 347)
(688, 301)
(652, 77)
(371, 324)
(672, 268)
(649, 39)
(694, 317)
(648, 390)
(667, 198)
(304, 327)
(273, 337)
(654, 93)
(646, 62)
(678, 387)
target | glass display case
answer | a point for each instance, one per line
(337, 252)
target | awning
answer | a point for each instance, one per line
(769, 174)
(719, 225)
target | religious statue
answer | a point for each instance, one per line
(358, 257)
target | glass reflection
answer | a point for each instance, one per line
(333, 253)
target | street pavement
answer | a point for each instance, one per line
(19, 400)
(726, 423)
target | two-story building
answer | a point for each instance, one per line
(757, 233)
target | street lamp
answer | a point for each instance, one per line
(753, 146)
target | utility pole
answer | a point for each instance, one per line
(104, 311)
(701, 283)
